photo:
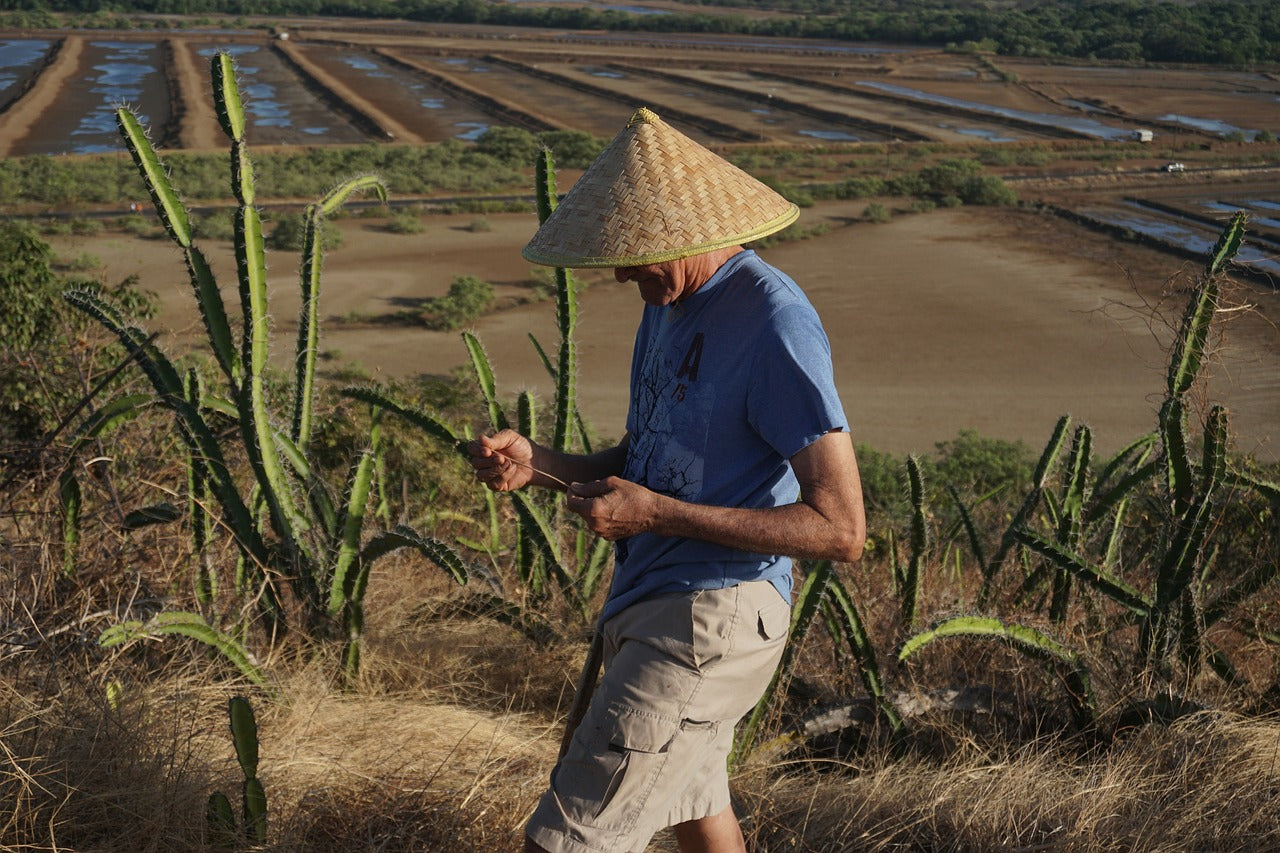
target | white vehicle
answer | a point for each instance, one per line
(1175, 167)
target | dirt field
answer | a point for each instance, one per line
(967, 318)
(997, 321)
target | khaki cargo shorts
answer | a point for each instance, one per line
(679, 672)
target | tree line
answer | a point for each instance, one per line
(1234, 32)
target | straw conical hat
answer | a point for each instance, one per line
(655, 195)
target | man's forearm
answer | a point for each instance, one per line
(796, 530)
(556, 470)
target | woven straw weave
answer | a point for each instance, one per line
(655, 195)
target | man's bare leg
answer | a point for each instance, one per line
(719, 833)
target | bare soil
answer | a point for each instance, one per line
(994, 320)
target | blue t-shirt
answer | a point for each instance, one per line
(726, 386)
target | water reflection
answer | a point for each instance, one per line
(1186, 236)
(1086, 126)
(472, 130)
(1209, 125)
(19, 54)
(782, 47)
(120, 79)
(830, 135)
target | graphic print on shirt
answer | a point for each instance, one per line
(674, 415)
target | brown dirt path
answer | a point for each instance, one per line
(199, 128)
(20, 118)
(398, 130)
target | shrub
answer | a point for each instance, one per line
(467, 299)
(986, 189)
(405, 223)
(217, 225)
(290, 228)
(479, 226)
(876, 212)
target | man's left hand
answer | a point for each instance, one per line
(614, 508)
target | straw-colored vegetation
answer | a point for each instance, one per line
(1043, 650)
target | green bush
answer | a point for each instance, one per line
(986, 189)
(217, 225)
(467, 299)
(479, 226)
(289, 229)
(876, 212)
(405, 223)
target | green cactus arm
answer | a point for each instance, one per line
(255, 417)
(213, 312)
(554, 374)
(338, 196)
(402, 536)
(909, 588)
(567, 374)
(970, 528)
(1027, 640)
(308, 315)
(107, 418)
(1186, 549)
(1112, 587)
(805, 607)
(485, 379)
(244, 734)
(544, 168)
(221, 821)
(1228, 244)
(1007, 540)
(539, 527)
(1075, 486)
(255, 811)
(226, 96)
(425, 421)
(157, 513)
(358, 490)
(1140, 448)
(527, 414)
(170, 391)
(308, 328)
(189, 625)
(317, 490)
(864, 652)
(591, 571)
(173, 214)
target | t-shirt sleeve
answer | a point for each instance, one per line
(792, 401)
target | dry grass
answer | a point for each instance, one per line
(1209, 782)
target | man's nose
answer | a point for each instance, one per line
(622, 274)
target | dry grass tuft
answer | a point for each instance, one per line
(357, 772)
(1209, 782)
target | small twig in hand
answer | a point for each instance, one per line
(551, 477)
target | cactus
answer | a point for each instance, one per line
(283, 520)
(219, 816)
(1029, 641)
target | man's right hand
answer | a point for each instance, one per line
(503, 462)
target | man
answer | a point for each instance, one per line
(733, 415)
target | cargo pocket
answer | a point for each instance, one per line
(774, 619)
(637, 749)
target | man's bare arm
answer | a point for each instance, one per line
(508, 461)
(828, 523)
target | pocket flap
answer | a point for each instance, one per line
(775, 619)
(635, 730)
